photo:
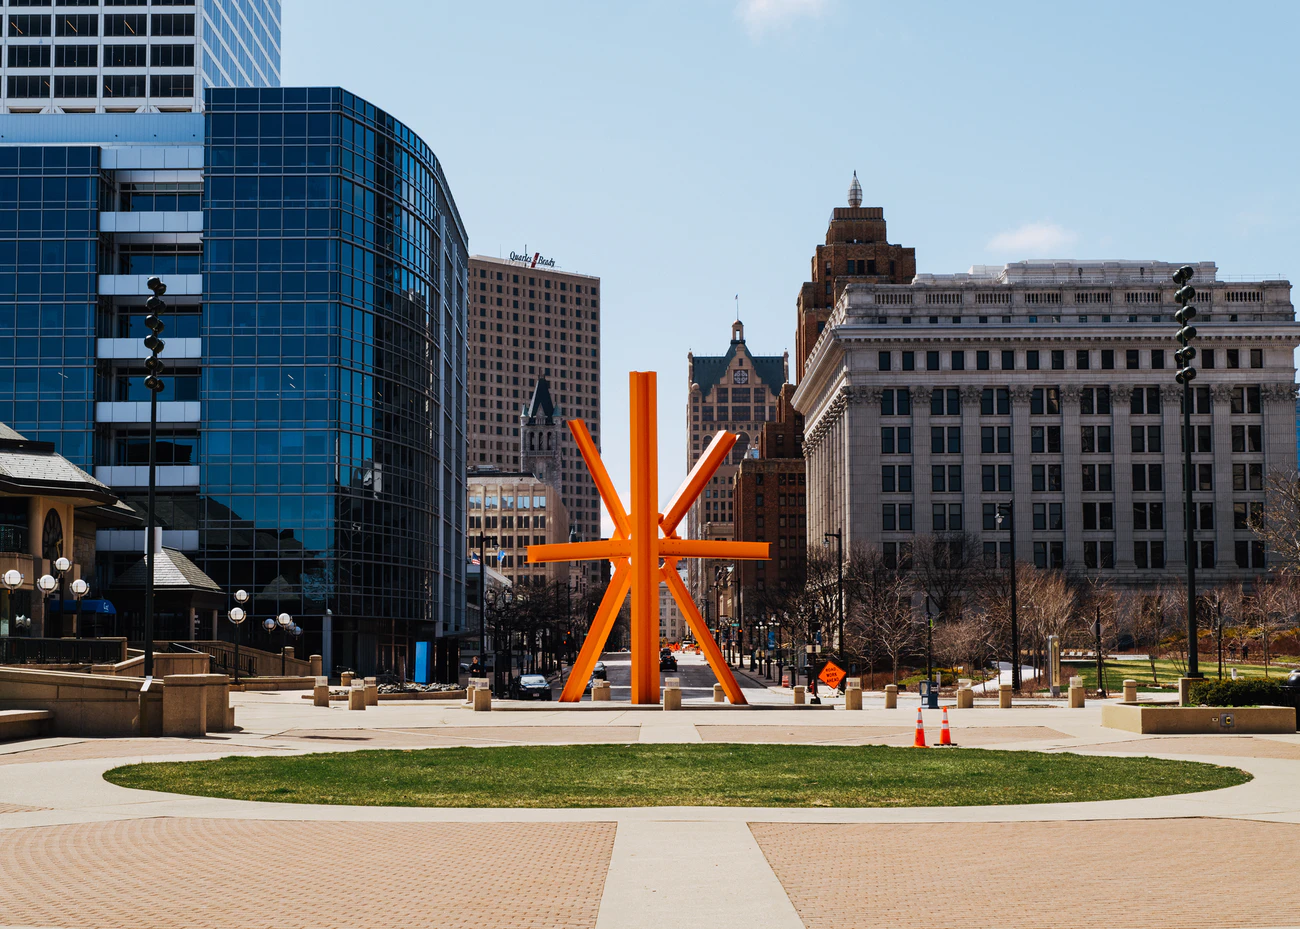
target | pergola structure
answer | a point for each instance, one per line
(645, 550)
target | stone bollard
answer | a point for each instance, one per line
(798, 694)
(357, 695)
(891, 696)
(345, 678)
(600, 691)
(1184, 691)
(372, 692)
(672, 698)
(1130, 691)
(853, 693)
(718, 695)
(320, 693)
(965, 696)
(1076, 696)
(482, 699)
(1004, 696)
(185, 705)
(315, 665)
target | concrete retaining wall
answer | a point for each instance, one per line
(82, 704)
(1175, 720)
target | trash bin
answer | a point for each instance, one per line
(929, 694)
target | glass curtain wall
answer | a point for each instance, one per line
(49, 232)
(333, 381)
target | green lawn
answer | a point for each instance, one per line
(678, 775)
(1167, 672)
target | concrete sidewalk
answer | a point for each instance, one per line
(638, 867)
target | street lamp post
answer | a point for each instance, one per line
(237, 615)
(79, 589)
(47, 585)
(61, 568)
(153, 381)
(1015, 618)
(285, 621)
(839, 583)
(482, 606)
(1186, 374)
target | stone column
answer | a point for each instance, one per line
(1021, 475)
(970, 459)
(1221, 422)
(864, 446)
(921, 460)
(1121, 438)
(1072, 473)
(1171, 424)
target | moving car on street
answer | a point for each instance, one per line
(667, 660)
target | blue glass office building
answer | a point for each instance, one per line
(313, 427)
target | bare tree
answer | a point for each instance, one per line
(880, 600)
(948, 566)
(1278, 524)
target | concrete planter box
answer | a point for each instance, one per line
(341, 696)
(250, 684)
(1183, 720)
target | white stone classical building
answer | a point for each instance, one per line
(1051, 383)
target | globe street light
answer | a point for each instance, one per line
(285, 621)
(12, 580)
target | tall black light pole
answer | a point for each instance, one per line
(839, 583)
(1015, 614)
(1186, 374)
(482, 607)
(153, 364)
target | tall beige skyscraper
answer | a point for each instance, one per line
(529, 320)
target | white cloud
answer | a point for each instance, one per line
(1033, 240)
(760, 16)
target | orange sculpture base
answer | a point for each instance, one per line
(645, 550)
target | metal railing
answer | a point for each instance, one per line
(13, 539)
(18, 650)
(253, 662)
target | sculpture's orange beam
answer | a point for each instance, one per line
(710, 548)
(598, 634)
(604, 485)
(602, 550)
(703, 637)
(644, 518)
(687, 494)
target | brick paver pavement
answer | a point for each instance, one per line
(196, 873)
(872, 735)
(125, 748)
(18, 808)
(1155, 874)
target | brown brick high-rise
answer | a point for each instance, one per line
(771, 501)
(856, 251)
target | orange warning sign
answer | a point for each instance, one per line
(831, 675)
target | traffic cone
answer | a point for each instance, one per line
(920, 731)
(945, 737)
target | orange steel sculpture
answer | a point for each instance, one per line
(641, 556)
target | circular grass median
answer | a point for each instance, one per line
(554, 776)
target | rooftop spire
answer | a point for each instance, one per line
(855, 191)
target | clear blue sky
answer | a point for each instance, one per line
(686, 152)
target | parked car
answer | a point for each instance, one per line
(1291, 690)
(667, 660)
(599, 673)
(533, 687)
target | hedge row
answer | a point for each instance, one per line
(1246, 692)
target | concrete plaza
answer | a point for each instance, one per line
(76, 851)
